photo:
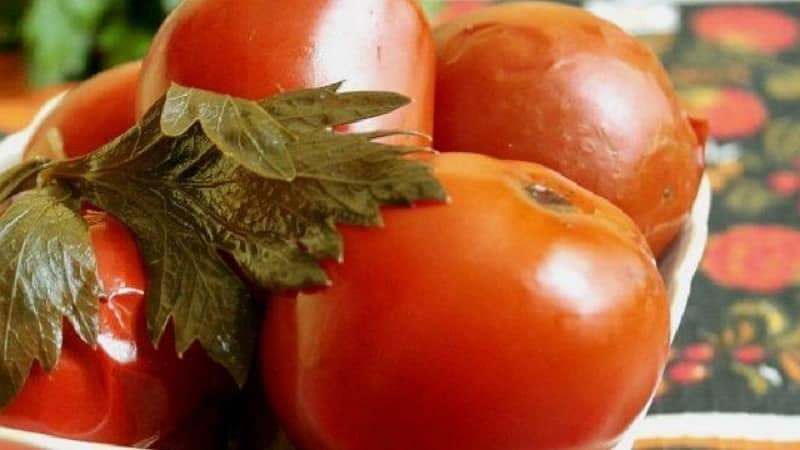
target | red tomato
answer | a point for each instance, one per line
(123, 392)
(556, 85)
(257, 48)
(525, 313)
(91, 115)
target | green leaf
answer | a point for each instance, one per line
(188, 200)
(49, 274)
(314, 109)
(58, 36)
(169, 5)
(145, 180)
(11, 12)
(433, 7)
(12, 180)
(120, 41)
(238, 127)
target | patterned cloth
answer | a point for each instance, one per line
(738, 348)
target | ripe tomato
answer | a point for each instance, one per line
(556, 85)
(526, 313)
(123, 392)
(93, 114)
(257, 48)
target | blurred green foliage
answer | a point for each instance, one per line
(10, 14)
(71, 39)
(432, 7)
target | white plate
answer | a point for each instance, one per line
(677, 267)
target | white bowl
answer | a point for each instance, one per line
(677, 268)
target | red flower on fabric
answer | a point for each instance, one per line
(757, 258)
(688, 372)
(784, 182)
(751, 354)
(747, 28)
(731, 112)
(699, 352)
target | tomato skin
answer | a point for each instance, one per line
(514, 326)
(555, 85)
(124, 392)
(257, 48)
(91, 115)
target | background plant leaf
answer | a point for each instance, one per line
(73, 39)
(11, 12)
(47, 274)
(433, 7)
(59, 36)
(121, 40)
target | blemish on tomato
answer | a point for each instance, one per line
(667, 194)
(550, 199)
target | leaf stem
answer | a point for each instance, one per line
(19, 178)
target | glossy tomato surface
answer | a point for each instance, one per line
(556, 85)
(526, 313)
(91, 115)
(257, 48)
(123, 392)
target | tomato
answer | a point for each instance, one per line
(525, 313)
(556, 85)
(125, 391)
(92, 114)
(257, 48)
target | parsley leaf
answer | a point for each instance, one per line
(219, 192)
(189, 200)
(146, 180)
(238, 127)
(47, 273)
(16, 177)
(59, 37)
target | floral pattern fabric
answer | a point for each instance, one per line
(738, 349)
